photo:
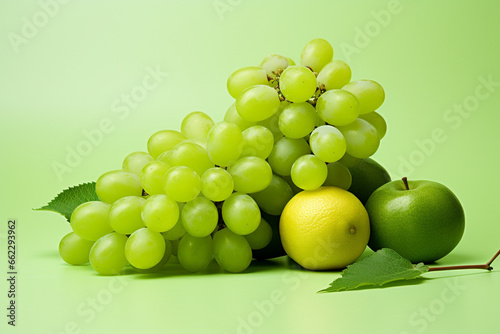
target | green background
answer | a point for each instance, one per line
(68, 75)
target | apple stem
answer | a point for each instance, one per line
(486, 266)
(405, 180)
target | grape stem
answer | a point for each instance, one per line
(405, 181)
(486, 266)
(277, 80)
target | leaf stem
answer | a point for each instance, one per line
(486, 266)
(493, 258)
(473, 266)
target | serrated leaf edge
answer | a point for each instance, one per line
(44, 208)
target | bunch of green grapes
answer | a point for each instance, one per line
(187, 197)
(321, 121)
(197, 194)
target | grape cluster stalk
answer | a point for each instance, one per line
(198, 194)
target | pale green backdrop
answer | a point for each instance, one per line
(67, 67)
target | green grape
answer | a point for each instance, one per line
(152, 177)
(250, 174)
(232, 251)
(199, 217)
(164, 140)
(272, 123)
(285, 152)
(178, 230)
(217, 184)
(316, 54)
(190, 155)
(261, 237)
(257, 103)
(160, 213)
(241, 214)
(338, 107)
(166, 256)
(90, 220)
(349, 161)
(232, 116)
(245, 77)
(196, 125)
(107, 256)
(169, 248)
(319, 121)
(338, 176)
(334, 75)
(194, 253)
(309, 172)
(134, 162)
(298, 83)
(116, 184)
(258, 141)
(361, 137)
(377, 121)
(182, 184)
(224, 143)
(75, 250)
(200, 142)
(369, 94)
(145, 248)
(175, 246)
(125, 214)
(290, 61)
(272, 64)
(295, 189)
(328, 143)
(165, 156)
(297, 120)
(273, 199)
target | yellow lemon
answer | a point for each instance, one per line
(326, 228)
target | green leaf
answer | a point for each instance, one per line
(381, 267)
(67, 200)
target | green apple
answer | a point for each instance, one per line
(421, 220)
(367, 176)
